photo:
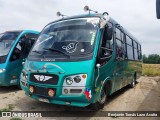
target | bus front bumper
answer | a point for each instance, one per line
(61, 99)
(3, 81)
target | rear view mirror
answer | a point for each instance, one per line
(158, 8)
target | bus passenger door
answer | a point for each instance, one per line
(119, 60)
(18, 56)
(105, 53)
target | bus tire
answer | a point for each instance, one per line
(103, 98)
(133, 82)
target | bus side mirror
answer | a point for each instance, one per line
(158, 8)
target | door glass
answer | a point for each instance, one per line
(106, 43)
(23, 47)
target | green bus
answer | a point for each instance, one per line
(80, 60)
(14, 48)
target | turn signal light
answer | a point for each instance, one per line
(51, 92)
(31, 89)
(14, 77)
(84, 76)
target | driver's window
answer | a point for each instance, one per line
(23, 47)
(107, 42)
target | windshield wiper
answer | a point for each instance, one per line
(38, 53)
(55, 50)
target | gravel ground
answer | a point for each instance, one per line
(144, 97)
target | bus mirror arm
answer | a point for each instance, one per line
(98, 67)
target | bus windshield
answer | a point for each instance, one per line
(73, 38)
(6, 41)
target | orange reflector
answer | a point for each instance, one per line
(51, 92)
(14, 77)
(84, 76)
(31, 89)
(101, 82)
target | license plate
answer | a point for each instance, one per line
(44, 100)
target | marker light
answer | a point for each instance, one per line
(69, 80)
(14, 77)
(51, 92)
(31, 89)
(84, 76)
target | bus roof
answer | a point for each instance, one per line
(97, 15)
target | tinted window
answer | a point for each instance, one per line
(139, 55)
(120, 43)
(7, 40)
(130, 52)
(135, 44)
(139, 47)
(118, 34)
(128, 40)
(106, 43)
(135, 54)
(23, 47)
(62, 39)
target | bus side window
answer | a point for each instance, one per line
(23, 47)
(107, 43)
(120, 43)
(129, 43)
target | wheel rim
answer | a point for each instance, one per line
(102, 97)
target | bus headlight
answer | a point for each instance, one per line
(69, 80)
(75, 80)
(2, 70)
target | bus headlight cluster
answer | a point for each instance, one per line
(75, 80)
(24, 74)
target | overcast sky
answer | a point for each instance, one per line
(137, 16)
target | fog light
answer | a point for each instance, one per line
(31, 89)
(51, 92)
(65, 91)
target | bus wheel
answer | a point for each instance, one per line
(101, 102)
(133, 83)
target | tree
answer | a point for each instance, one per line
(151, 59)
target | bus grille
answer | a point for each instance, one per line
(44, 78)
(41, 91)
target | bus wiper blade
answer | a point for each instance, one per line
(55, 50)
(38, 53)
